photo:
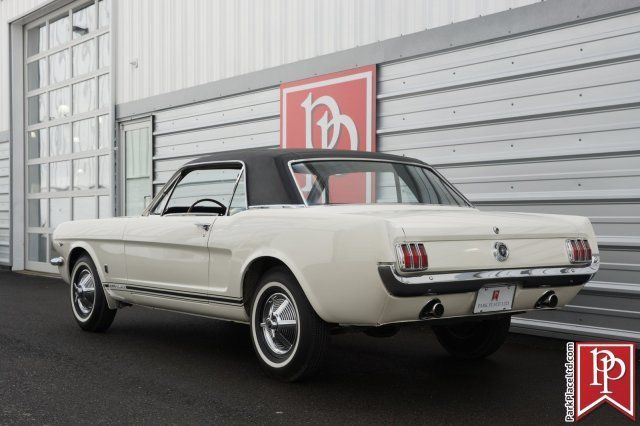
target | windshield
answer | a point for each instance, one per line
(330, 182)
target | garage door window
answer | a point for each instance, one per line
(67, 57)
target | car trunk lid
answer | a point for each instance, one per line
(466, 238)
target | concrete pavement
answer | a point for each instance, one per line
(161, 367)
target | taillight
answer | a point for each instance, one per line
(412, 257)
(579, 251)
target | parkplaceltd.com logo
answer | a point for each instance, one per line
(598, 373)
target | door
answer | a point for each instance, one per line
(136, 170)
(166, 249)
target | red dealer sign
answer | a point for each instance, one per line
(332, 111)
(605, 373)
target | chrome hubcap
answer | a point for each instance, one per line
(84, 290)
(279, 323)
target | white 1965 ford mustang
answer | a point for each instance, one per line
(303, 243)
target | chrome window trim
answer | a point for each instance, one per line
(233, 193)
(164, 190)
(377, 160)
(177, 177)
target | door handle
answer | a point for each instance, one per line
(204, 226)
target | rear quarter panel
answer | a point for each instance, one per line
(334, 257)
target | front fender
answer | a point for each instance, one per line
(76, 245)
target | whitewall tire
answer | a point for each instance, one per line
(88, 302)
(289, 338)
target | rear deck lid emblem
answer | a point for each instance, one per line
(501, 251)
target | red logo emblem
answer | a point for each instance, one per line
(605, 372)
(495, 296)
(333, 111)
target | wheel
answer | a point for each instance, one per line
(473, 339)
(288, 336)
(88, 302)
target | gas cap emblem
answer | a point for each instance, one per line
(501, 251)
(496, 230)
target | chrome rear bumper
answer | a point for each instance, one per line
(466, 281)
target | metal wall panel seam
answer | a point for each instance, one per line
(556, 329)
(559, 113)
(203, 135)
(219, 124)
(521, 151)
(413, 92)
(626, 195)
(220, 104)
(611, 288)
(511, 52)
(613, 95)
(537, 159)
(602, 311)
(543, 134)
(243, 112)
(483, 178)
(519, 47)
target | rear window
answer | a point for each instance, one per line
(332, 182)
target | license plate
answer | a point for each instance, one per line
(496, 298)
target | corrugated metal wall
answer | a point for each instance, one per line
(4, 203)
(182, 43)
(549, 122)
(236, 122)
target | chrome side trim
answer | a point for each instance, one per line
(183, 295)
(57, 261)
(277, 206)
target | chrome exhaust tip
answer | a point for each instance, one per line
(433, 309)
(548, 300)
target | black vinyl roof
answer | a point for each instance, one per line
(268, 178)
